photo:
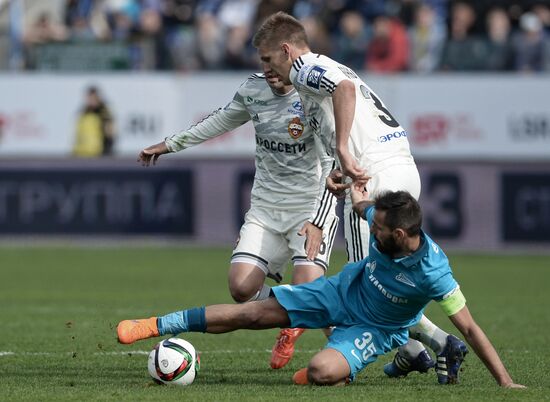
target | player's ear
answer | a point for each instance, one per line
(285, 47)
(399, 234)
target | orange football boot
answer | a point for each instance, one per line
(129, 331)
(284, 347)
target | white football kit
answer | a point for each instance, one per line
(377, 140)
(289, 182)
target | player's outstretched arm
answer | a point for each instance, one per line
(343, 100)
(477, 339)
(152, 152)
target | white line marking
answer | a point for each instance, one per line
(141, 352)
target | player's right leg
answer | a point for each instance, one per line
(304, 271)
(283, 350)
(247, 280)
(213, 319)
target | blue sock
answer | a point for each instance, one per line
(191, 320)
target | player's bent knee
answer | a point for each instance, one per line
(323, 375)
(241, 294)
(245, 281)
(328, 367)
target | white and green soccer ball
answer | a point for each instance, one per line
(174, 361)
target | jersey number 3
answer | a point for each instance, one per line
(389, 120)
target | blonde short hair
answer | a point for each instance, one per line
(280, 27)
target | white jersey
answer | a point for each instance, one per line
(376, 140)
(291, 163)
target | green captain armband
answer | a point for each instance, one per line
(453, 302)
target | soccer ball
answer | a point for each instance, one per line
(174, 361)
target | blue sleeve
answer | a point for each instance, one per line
(440, 280)
(442, 286)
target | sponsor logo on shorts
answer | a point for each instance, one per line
(295, 128)
(355, 355)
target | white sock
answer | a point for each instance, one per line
(429, 334)
(411, 349)
(261, 294)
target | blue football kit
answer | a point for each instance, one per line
(372, 302)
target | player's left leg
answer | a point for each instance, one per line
(449, 349)
(328, 367)
(261, 251)
(349, 350)
(413, 356)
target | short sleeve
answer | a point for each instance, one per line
(442, 286)
(318, 79)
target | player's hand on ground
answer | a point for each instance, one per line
(335, 183)
(314, 238)
(350, 167)
(153, 152)
(514, 385)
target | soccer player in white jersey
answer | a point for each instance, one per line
(366, 140)
(292, 215)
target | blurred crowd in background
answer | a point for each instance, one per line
(383, 36)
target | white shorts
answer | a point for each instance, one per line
(269, 239)
(356, 229)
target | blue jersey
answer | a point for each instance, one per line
(392, 293)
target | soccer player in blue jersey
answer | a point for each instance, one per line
(372, 302)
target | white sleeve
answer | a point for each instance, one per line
(220, 121)
(317, 79)
(325, 202)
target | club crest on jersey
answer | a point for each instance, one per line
(314, 77)
(371, 266)
(295, 128)
(401, 277)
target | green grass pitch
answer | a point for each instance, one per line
(60, 306)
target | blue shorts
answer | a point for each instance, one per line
(318, 304)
